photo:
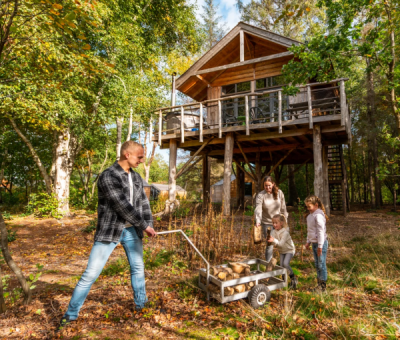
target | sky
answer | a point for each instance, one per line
(230, 15)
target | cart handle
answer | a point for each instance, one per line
(194, 247)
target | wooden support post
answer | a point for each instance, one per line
(309, 99)
(326, 200)
(206, 182)
(219, 119)
(258, 171)
(280, 111)
(201, 123)
(246, 105)
(246, 160)
(173, 150)
(182, 125)
(240, 187)
(241, 46)
(343, 110)
(183, 169)
(226, 208)
(159, 128)
(320, 169)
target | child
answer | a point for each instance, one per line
(280, 237)
(316, 236)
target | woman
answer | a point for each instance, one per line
(269, 202)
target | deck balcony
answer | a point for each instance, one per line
(267, 112)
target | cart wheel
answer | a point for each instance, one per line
(259, 296)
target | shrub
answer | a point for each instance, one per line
(43, 205)
(7, 216)
(249, 210)
(91, 227)
(11, 235)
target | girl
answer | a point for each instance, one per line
(316, 236)
(269, 202)
(280, 237)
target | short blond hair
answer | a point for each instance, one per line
(130, 144)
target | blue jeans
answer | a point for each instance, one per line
(320, 261)
(99, 255)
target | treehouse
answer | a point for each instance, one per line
(240, 115)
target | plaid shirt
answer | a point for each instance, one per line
(114, 208)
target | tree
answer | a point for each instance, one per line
(296, 19)
(213, 28)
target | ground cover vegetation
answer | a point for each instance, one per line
(77, 78)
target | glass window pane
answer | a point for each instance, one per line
(242, 87)
(248, 189)
(261, 83)
(277, 80)
(228, 89)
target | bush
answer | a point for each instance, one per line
(91, 227)
(11, 235)
(249, 210)
(43, 205)
(7, 216)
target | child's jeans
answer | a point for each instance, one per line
(285, 259)
(320, 261)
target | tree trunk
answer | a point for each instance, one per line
(365, 183)
(119, 136)
(307, 181)
(128, 136)
(36, 158)
(66, 150)
(11, 264)
(292, 186)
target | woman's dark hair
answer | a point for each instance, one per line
(275, 188)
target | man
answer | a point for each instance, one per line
(123, 215)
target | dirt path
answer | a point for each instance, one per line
(63, 249)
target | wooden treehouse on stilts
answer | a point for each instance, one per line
(241, 116)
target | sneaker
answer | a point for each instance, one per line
(64, 322)
(321, 287)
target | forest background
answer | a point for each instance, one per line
(78, 78)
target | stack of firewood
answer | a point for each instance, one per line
(235, 270)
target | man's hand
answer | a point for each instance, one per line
(307, 246)
(150, 232)
(319, 251)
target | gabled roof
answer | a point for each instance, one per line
(233, 177)
(164, 187)
(225, 52)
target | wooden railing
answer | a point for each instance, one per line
(305, 107)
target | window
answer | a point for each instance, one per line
(248, 189)
(236, 88)
(269, 82)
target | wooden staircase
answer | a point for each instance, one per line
(338, 192)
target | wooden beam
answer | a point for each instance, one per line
(182, 125)
(241, 33)
(342, 103)
(310, 117)
(191, 158)
(201, 123)
(245, 159)
(243, 63)
(280, 112)
(206, 182)
(219, 119)
(226, 199)
(159, 128)
(246, 105)
(205, 81)
(246, 172)
(318, 170)
(189, 167)
(259, 149)
(279, 162)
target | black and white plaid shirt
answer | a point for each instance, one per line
(114, 208)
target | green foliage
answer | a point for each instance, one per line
(11, 235)
(249, 211)
(298, 216)
(91, 227)
(7, 216)
(43, 205)
(35, 277)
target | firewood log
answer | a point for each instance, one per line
(228, 291)
(214, 271)
(240, 288)
(222, 275)
(247, 272)
(238, 267)
(271, 265)
(232, 276)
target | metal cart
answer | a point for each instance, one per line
(260, 294)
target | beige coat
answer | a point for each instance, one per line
(283, 241)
